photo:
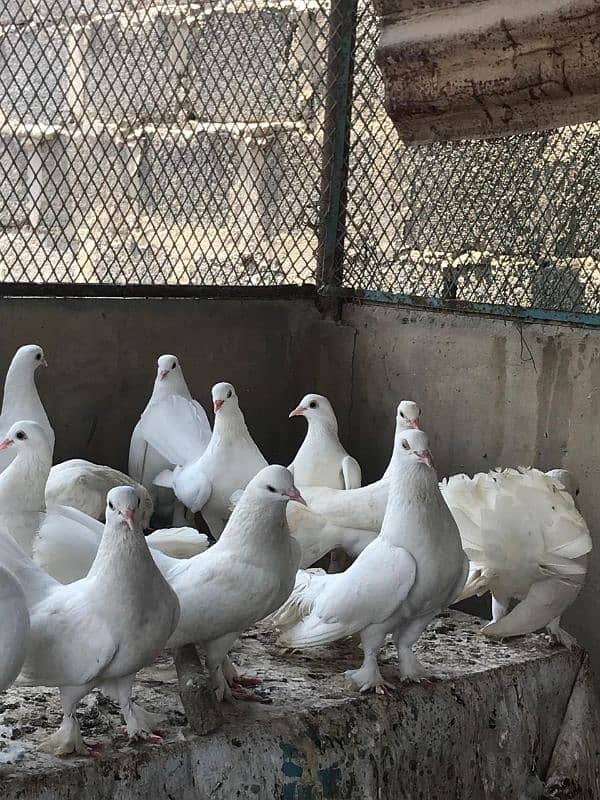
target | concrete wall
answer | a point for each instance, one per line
(493, 393)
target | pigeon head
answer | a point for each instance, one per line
(123, 507)
(566, 480)
(168, 366)
(274, 484)
(25, 435)
(408, 415)
(414, 446)
(315, 408)
(224, 396)
(30, 356)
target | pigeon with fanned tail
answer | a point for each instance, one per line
(413, 570)
(84, 635)
(21, 399)
(84, 485)
(206, 475)
(527, 543)
(14, 627)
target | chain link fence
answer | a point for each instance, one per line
(186, 144)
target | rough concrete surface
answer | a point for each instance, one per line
(485, 731)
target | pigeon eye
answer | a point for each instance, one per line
(271, 488)
(38, 357)
(229, 393)
(174, 365)
(110, 505)
(312, 404)
(21, 435)
(402, 415)
(405, 444)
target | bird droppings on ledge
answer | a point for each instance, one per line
(493, 704)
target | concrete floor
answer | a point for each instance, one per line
(489, 729)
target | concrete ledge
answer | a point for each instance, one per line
(486, 730)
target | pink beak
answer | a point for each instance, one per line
(43, 362)
(424, 455)
(5, 443)
(218, 404)
(414, 423)
(295, 495)
(128, 517)
(297, 412)
(163, 374)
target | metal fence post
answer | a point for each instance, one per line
(336, 145)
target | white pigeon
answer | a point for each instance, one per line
(99, 631)
(322, 459)
(22, 482)
(413, 570)
(206, 475)
(346, 519)
(14, 628)
(84, 485)
(527, 542)
(145, 462)
(241, 579)
(21, 399)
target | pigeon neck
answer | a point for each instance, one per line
(412, 485)
(257, 525)
(230, 422)
(23, 482)
(168, 388)
(20, 383)
(121, 553)
(319, 426)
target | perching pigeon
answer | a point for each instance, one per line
(347, 519)
(241, 579)
(84, 485)
(22, 483)
(413, 570)
(322, 459)
(14, 628)
(206, 475)
(21, 399)
(98, 631)
(527, 542)
(144, 461)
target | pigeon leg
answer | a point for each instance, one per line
(405, 636)
(138, 722)
(368, 675)
(218, 662)
(233, 677)
(500, 607)
(559, 635)
(68, 738)
(179, 519)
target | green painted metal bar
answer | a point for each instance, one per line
(336, 142)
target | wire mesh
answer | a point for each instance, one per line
(182, 144)
(505, 222)
(146, 143)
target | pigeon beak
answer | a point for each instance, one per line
(43, 362)
(414, 423)
(297, 412)
(162, 374)
(127, 515)
(5, 443)
(424, 455)
(218, 404)
(295, 495)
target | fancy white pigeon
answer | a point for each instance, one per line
(527, 542)
(241, 579)
(322, 459)
(145, 462)
(206, 476)
(14, 628)
(21, 399)
(346, 519)
(99, 631)
(413, 570)
(84, 485)
(22, 482)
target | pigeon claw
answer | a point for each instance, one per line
(246, 681)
